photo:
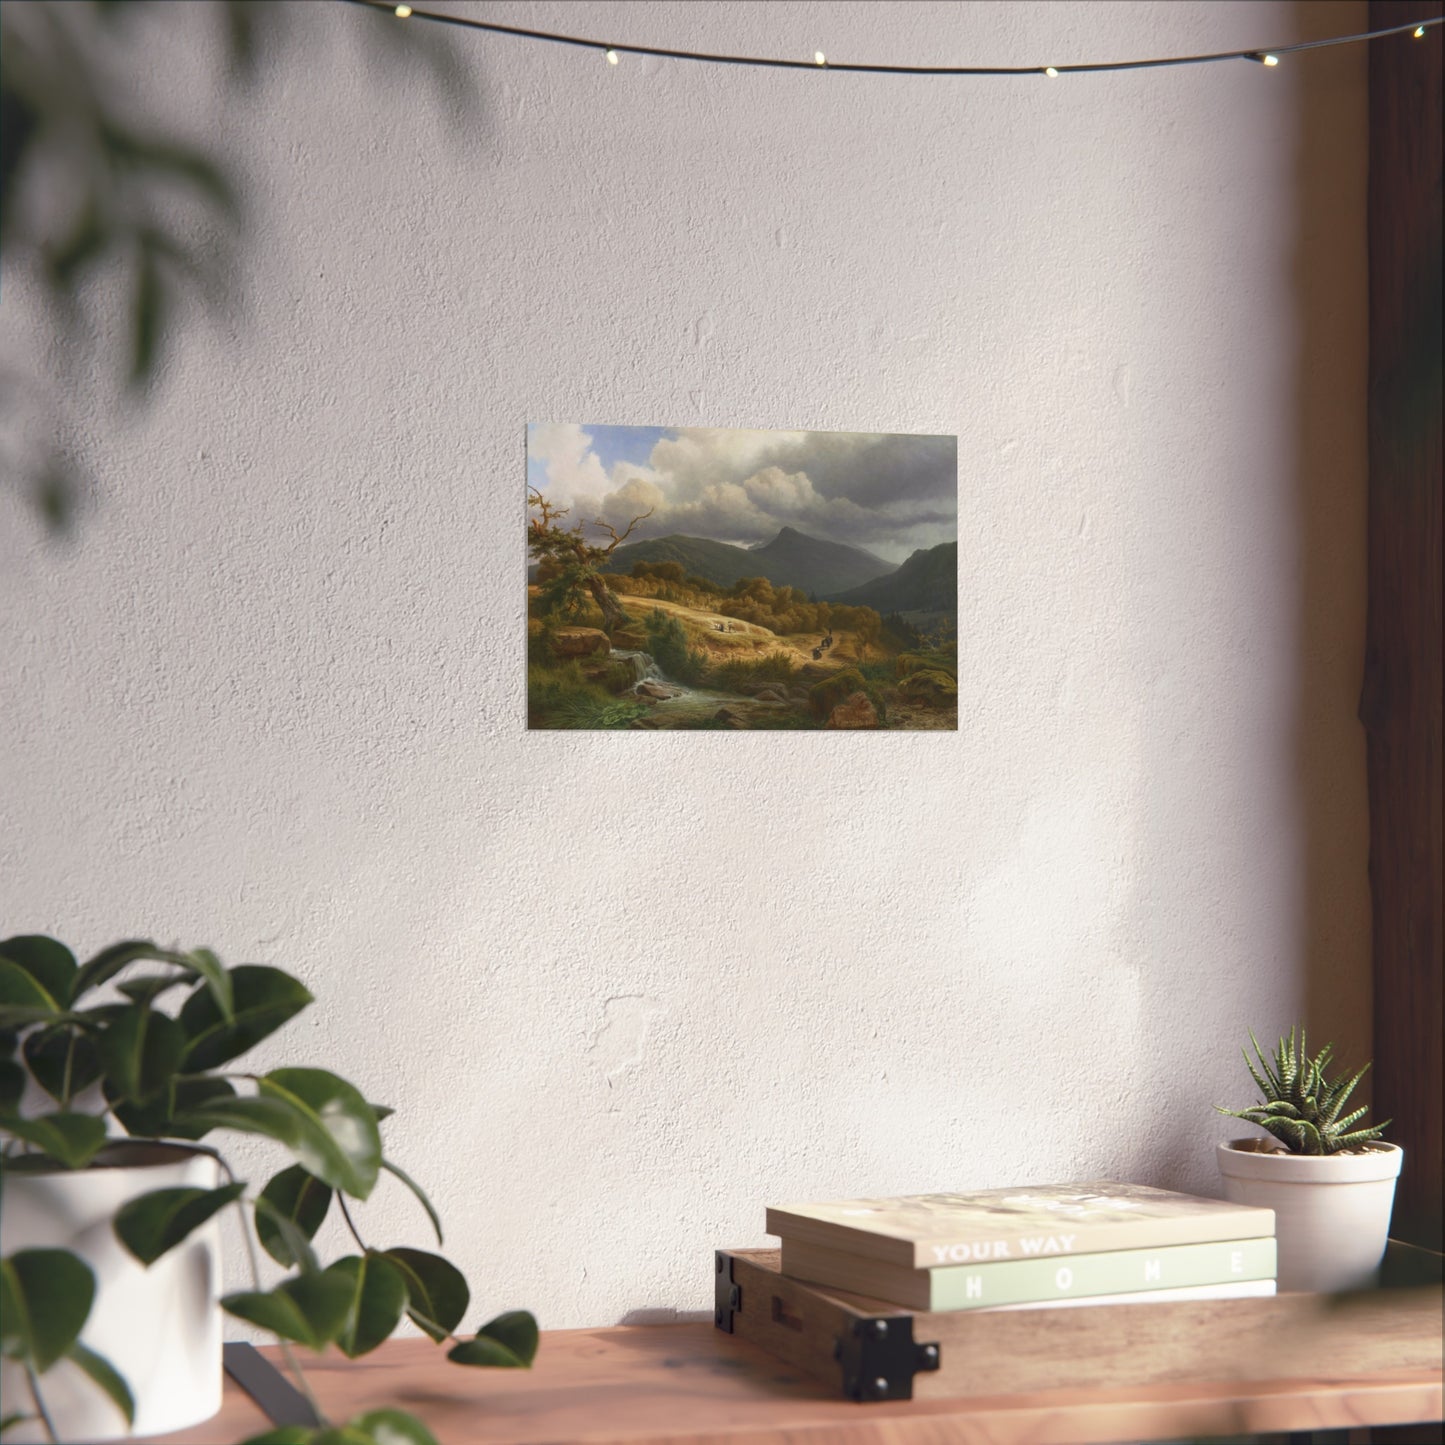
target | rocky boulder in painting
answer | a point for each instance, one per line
(930, 686)
(579, 642)
(855, 711)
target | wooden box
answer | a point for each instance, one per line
(870, 1350)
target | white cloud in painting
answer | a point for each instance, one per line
(888, 493)
(565, 451)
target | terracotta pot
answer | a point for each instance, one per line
(1331, 1211)
(160, 1327)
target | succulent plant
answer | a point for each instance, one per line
(1301, 1108)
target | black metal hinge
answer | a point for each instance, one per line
(727, 1296)
(880, 1358)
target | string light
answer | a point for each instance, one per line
(1260, 56)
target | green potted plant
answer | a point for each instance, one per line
(1331, 1185)
(113, 1085)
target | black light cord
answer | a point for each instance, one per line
(612, 50)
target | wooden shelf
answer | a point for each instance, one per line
(670, 1384)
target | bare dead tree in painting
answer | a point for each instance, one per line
(570, 567)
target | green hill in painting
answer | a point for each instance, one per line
(926, 582)
(791, 559)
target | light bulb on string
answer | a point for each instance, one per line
(1260, 57)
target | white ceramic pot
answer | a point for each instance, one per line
(1331, 1211)
(160, 1327)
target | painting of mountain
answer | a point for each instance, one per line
(926, 582)
(711, 579)
(789, 560)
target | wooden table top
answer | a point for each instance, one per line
(692, 1384)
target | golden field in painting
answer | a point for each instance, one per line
(694, 655)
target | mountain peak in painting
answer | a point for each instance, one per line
(926, 582)
(791, 559)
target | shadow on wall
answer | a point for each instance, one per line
(1324, 902)
(1331, 304)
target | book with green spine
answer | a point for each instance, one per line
(923, 1231)
(1034, 1281)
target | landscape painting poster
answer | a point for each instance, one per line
(712, 579)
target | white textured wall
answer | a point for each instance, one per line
(624, 990)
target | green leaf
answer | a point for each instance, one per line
(416, 1189)
(11, 1421)
(148, 989)
(109, 962)
(392, 1427)
(162, 1117)
(1361, 1136)
(64, 1061)
(179, 161)
(50, 964)
(12, 1086)
(14, 1323)
(310, 1310)
(296, 1243)
(382, 1111)
(378, 1296)
(296, 1196)
(72, 1139)
(210, 968)
(141, 1051)
(87, 238)
(151, 1224)
(23, 999)
(330, 1142)
(340, 1143)
(507, 1342)
(147, 316)
(437, 1294)
(269, 1117)
(284, 1435)
(45, 1299)
(196, 1093)
(263, 999)
(341, 1435)
(142, 1121)
(104, 1374)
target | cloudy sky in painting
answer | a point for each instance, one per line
(888, 494)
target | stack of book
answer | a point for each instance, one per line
(1031, 1247)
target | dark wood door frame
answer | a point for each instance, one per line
(1401, 697)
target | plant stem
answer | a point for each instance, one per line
(69, 1068)
(292, 1363)
(346, 1215)
(39, 1403)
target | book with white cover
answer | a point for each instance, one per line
(924, 1231)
